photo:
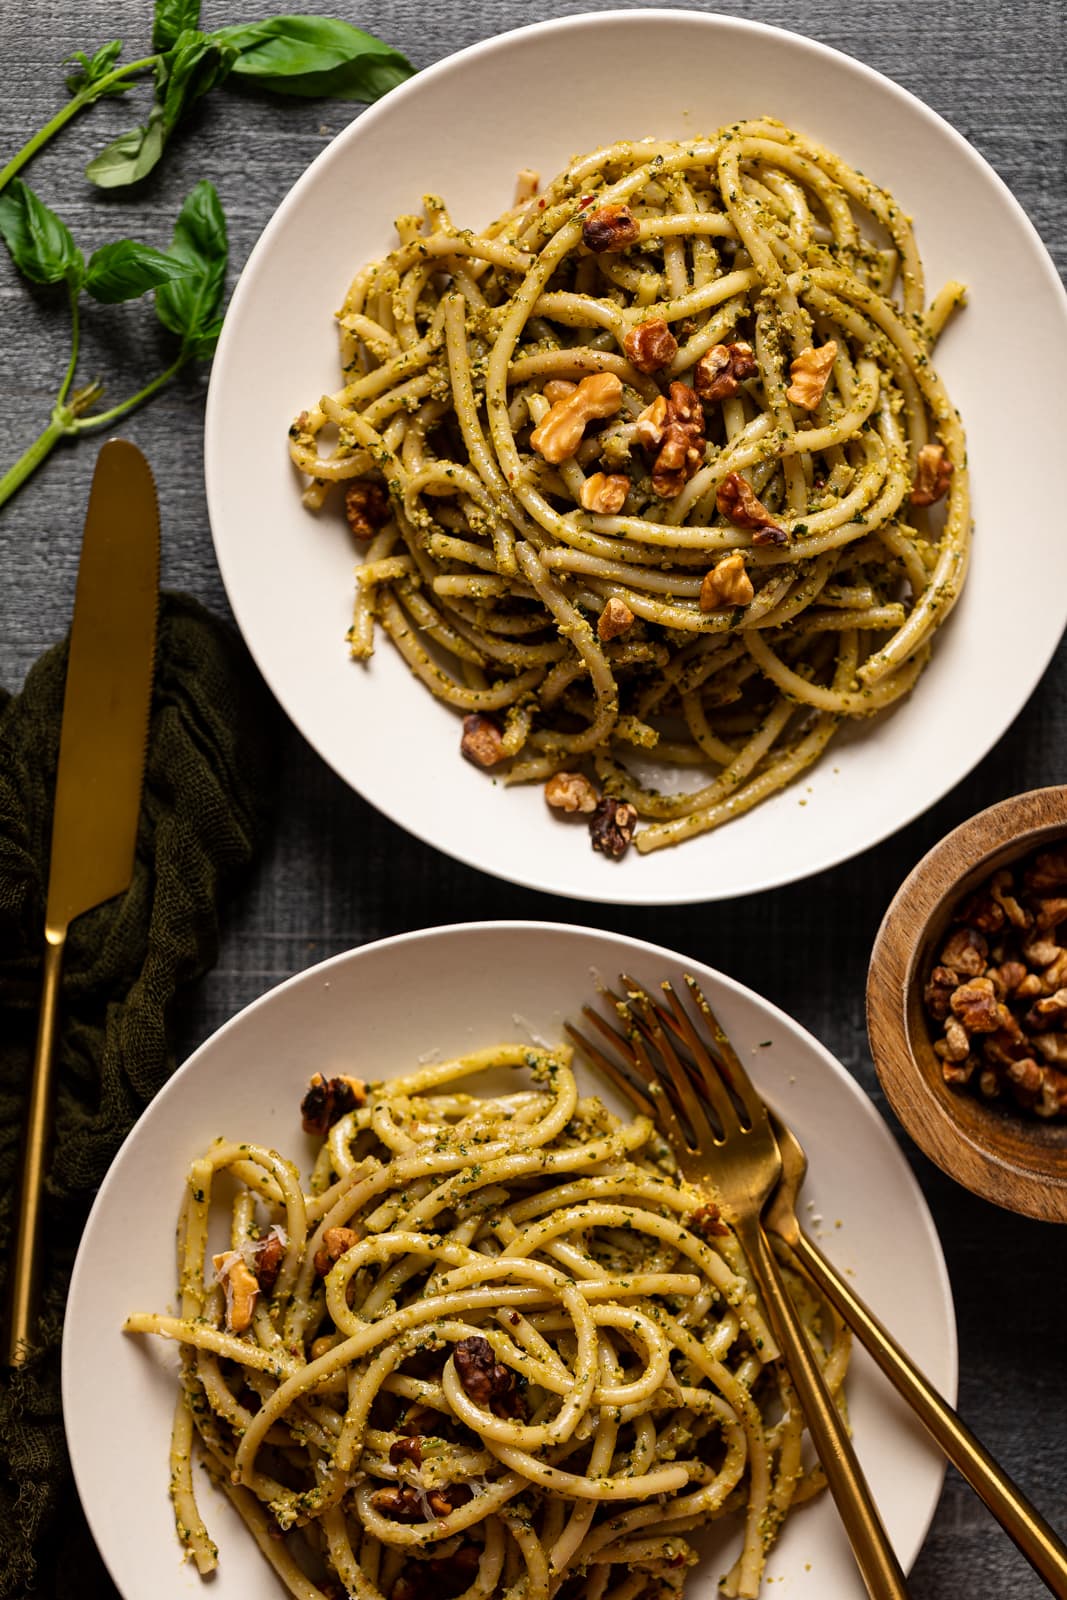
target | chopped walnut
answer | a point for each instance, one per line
(615, 619)
(527, 183)
(975, 1004)
(242, 1290)
(605, 493)
(483, 740)
(488, 1383)
(609, 229)
(810, 373)
(402, 1504)
(942, 984)
(449, 1498)
(651, 425)
(719, 373)
(366, 507)
(681, 450)
(727, 584)
(707, 1221)
(326, 1102)
(560, 432)
(967, 952)
(651, 346)
(335, 1241)
(611, 827)
(933, 472)
(406, 1449)
(266, 1259)
(569, 791)
(736, 500)
(1000, 988)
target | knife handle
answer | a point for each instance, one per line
(25, 1275)
(1039, 1543)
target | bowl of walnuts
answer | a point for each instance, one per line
(967, 1004)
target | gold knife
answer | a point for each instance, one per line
(102, 747)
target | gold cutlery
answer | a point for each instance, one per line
(102, 749)
(1039, 1543)
(723, 1141)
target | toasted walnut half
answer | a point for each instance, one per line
(810, 373)
(609, 228)
(651, 346)
(328, 1100)
(651, 425)
(721, 370)
(483, 740)
(737, 501)
(570, 792)
(727, 584)
(611, 827)
(933, 473)
(560, 432)
(616, 618)
(335, 1241)
(681, 451)
(605, 493)
(366, 507)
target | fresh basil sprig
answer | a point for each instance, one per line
(188, 281)
(291, 55)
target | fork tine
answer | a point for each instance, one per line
(711, 1075)
(730, 1067)
(636, 1094)
(647, 1079)
(647, 1014)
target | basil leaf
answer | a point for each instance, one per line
(92, 69)
(172, 18)
(315, 56)
(40, 244)
(195, 64)
(126, 269)
(189, 306)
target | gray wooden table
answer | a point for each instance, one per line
(338, 874)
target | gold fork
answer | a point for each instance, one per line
(1039, 1543)
(739, 1159)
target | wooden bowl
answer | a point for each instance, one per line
(1011, 1157)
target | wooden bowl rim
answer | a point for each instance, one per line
(1032, 1180)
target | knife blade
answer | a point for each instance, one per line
(99, 780)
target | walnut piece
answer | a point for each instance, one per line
(810, 373)
(651, 424)
(1049, 871)
(605, 493)
(966, 951)
(326, 1102)
(975, 1004)
(483, 740)
(615, 619)
(937, 995)
(407, 1449)
(707, 1221)
(721, 370)
(611, 827)
(488, 1383)
(558, 389)
(727, 584)
(651, 346)
(402, 1504)
(560, 431)
(933, 472)
(366, 507)
(266, 1259)
(242, 1290)
(609, 228)
(569, 791)
(681, 450)
(736, 500)
(335, 1241)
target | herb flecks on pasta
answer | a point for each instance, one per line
(678, 354)
(498, 1349)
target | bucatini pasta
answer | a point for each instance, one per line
(499, 1349)
(644, 471)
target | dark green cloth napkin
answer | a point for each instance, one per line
(207, 784)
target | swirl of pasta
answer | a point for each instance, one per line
(568, 600)
(498, 1347)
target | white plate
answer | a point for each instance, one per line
(454, 130)
(376, 1011)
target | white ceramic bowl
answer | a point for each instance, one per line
(377, 1011)
(463, 128)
